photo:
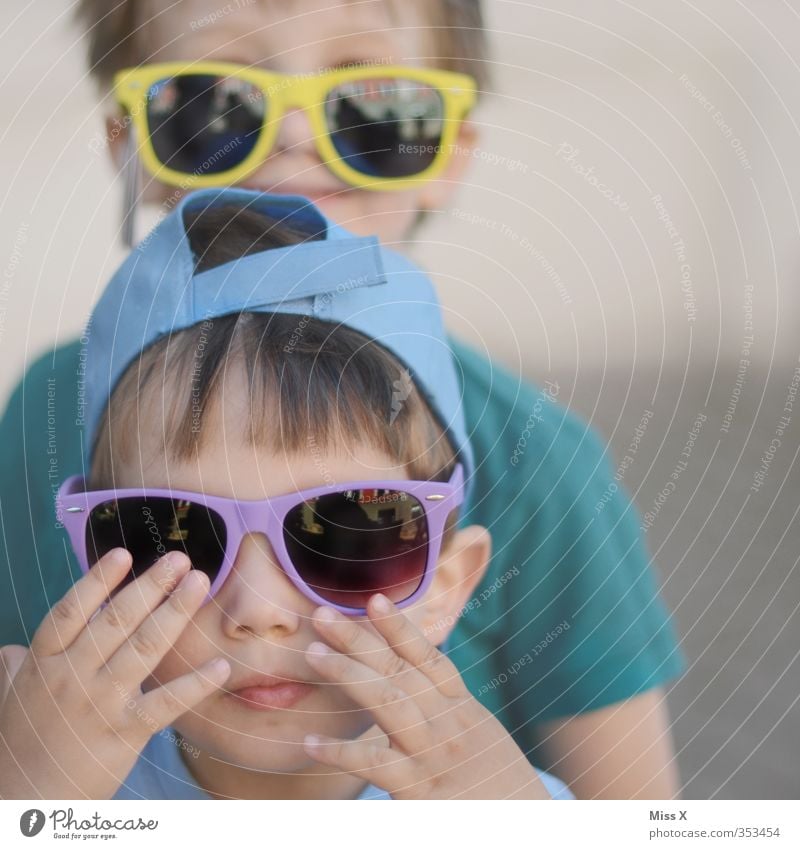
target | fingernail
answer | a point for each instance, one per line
(194, 576)
(311, 740)
(118, 556)
(176, 558)
(381, 603)
(318, 649)
(328, 614)
(219, 666)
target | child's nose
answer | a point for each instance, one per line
(257, 597)
(295, 134)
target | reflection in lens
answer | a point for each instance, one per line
(150, 527)
(203, 124)
(385, 127)
(348, 546)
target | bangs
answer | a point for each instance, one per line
(309, 386)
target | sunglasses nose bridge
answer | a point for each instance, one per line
(257, 520)
(297, 91)
(258, 517)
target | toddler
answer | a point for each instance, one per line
(268, 531)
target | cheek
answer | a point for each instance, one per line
(159, 193)
(161, 198)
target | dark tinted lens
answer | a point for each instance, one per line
(386, 127)
(202, 124)
(151, 527)
(348, 546)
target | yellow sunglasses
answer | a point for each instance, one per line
(214, 123)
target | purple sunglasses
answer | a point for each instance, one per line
(339, 543)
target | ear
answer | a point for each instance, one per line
(460, 569)
(436, 194)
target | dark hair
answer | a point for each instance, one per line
(116, 36)
(313, 385)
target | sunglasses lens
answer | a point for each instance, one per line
(386, 128)
(347, 546)
(203, 124)
(150, 527)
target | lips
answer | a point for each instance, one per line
(267, 692)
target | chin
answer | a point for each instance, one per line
(272, 750)
(263, 755)
(263, 745)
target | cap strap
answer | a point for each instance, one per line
(274, 276)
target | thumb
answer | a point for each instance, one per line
(11, 658)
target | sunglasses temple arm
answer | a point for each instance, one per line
(131, 170)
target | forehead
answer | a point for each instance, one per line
(226, 462)
(234, 470)
(289, 35)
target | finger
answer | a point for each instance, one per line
(350, 637)
(413, 646)
(376, 763)
(142, 652)
(395, 711)
(127, 610)
(67, 619)
(161, 706)
(11, 658)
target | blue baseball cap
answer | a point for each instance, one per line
(338, 277)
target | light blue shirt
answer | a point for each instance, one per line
(160, 773)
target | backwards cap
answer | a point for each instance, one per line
(339, 277)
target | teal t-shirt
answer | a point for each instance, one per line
(568, 617)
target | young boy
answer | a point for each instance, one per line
(566, 639)
(200, 414)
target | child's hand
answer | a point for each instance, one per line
(73, 717)
(442, 743)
